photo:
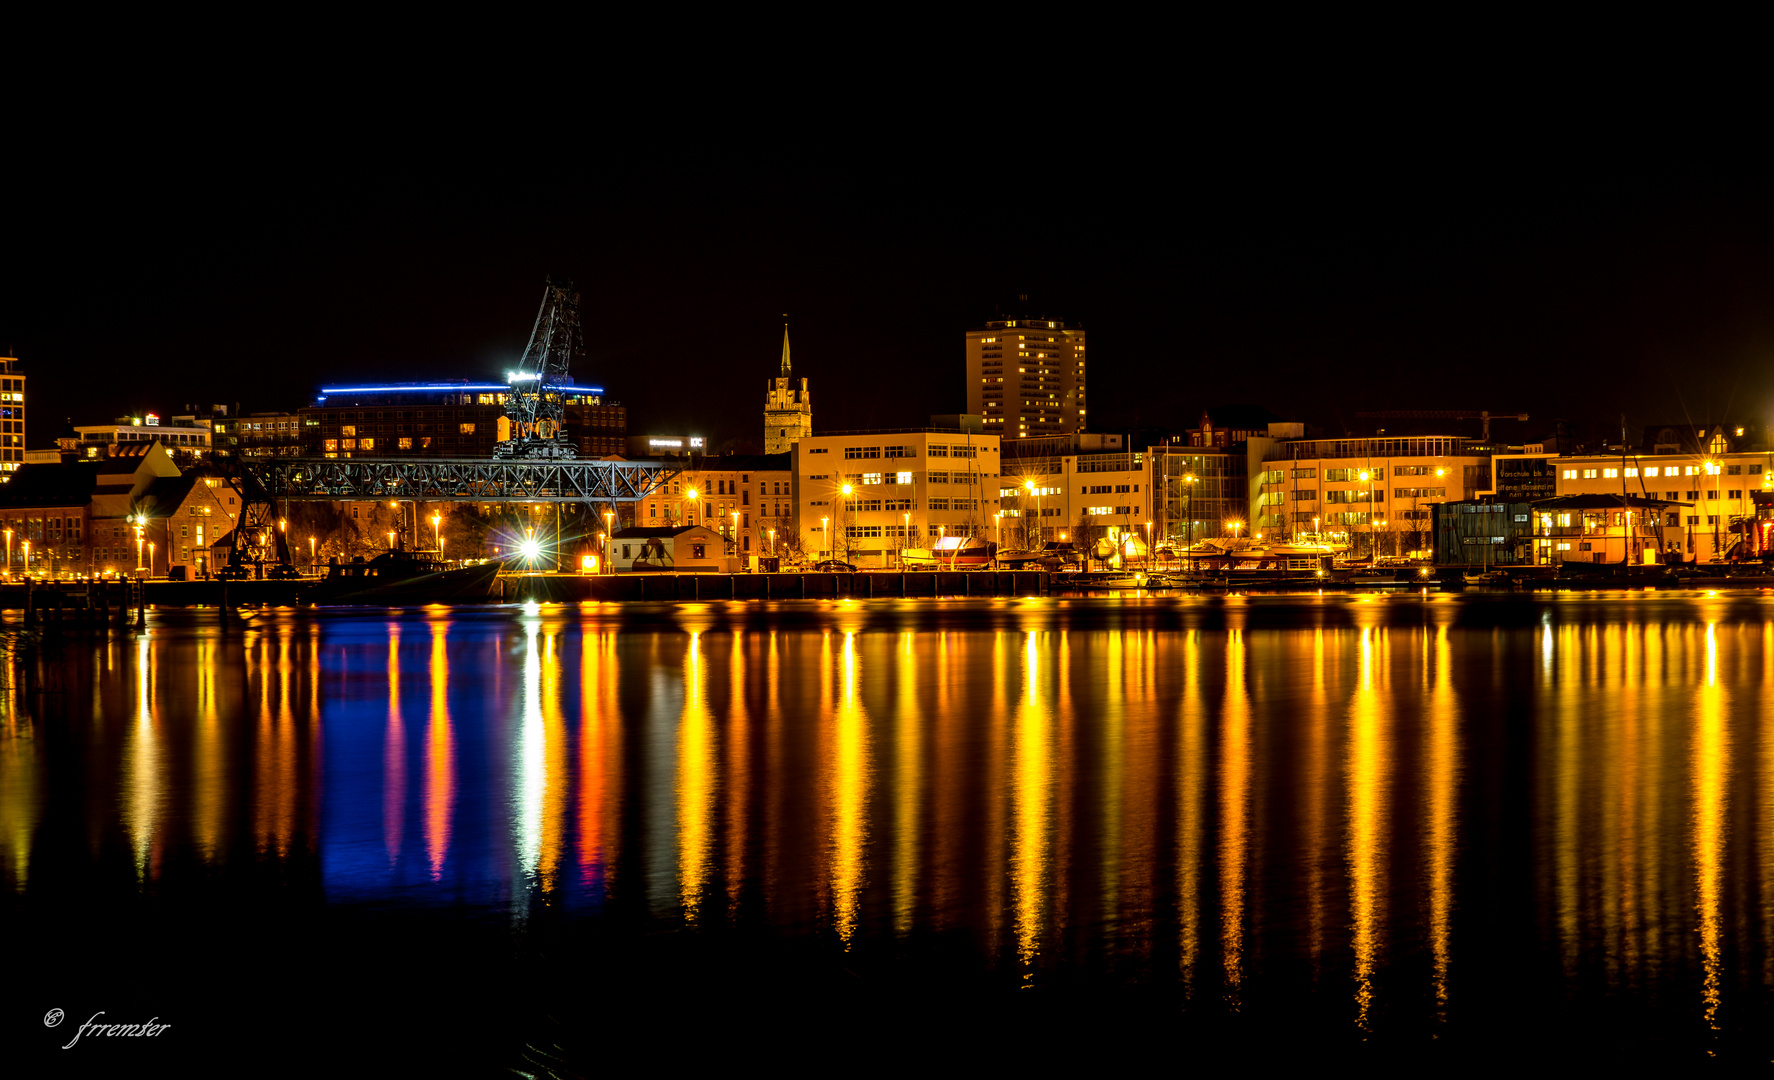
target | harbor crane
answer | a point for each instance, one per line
(534, 408)
(1442, 414)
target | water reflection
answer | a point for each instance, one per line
(1380, 807)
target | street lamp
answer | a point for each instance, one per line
(136, 522)
(1189, 514)
(437, 532)
(27, 558)
(844, 512)
(150, 558)
(735, 532)
(312, 555)
(1234, 526)
(390, 539)
(1028, 543)
(1368, 490)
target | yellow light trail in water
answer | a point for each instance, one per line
(142, 752)
(850, 781)
(1030, 795)
(440, 755)
(394, 756)
(1444, 767)
(1711, 764)
(1234, 816)
(908, 784)
(1367, 821)
(695, 787)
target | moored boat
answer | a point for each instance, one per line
(401, 577)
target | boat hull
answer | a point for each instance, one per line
(467, 585)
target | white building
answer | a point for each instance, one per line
(905, 486)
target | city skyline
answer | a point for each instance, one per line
(1581, 295)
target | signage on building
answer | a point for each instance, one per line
(152, 419)
(675, 444)
(1523, 479)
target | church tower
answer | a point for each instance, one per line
(788, 412)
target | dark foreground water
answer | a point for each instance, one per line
(856, 834)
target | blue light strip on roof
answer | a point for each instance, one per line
(411, 389)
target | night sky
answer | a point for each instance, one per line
(1319, 267)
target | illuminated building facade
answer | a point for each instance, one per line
(444, 419)
(788, 411)
(1077, 489)
(79, 515)
(12, 415)
(747, 498)
(907, 487)
(1714, 473)
(186, 440)
(1375, 494)
(1026, 377)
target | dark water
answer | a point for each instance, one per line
(1033, 831)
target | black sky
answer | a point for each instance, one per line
(1322, 262)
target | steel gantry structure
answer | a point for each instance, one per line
(466, 480)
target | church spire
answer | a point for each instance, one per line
(785, 345)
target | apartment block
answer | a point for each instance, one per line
(1026, 377)
(866, 496)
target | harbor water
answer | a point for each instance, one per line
(851, 832)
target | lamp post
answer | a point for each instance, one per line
(1368, 490)
(1030, 536)
(390, 539)
(437, 532)
(1189, 514)
(1235, 526)
(150, 558)
(27, 558)
(313, 558)
(736, 533)
(843, 513)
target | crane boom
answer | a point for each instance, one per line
(1443, 414)
(533, 403)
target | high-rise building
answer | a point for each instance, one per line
(1026, 377)
(12, 415)
(788, 412)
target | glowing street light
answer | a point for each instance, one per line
(437, 532)
(150, 558)
(1189, 516)
(390, 539)
(843, 512)
(1148, 545)
(529, 548)
(312, 553)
